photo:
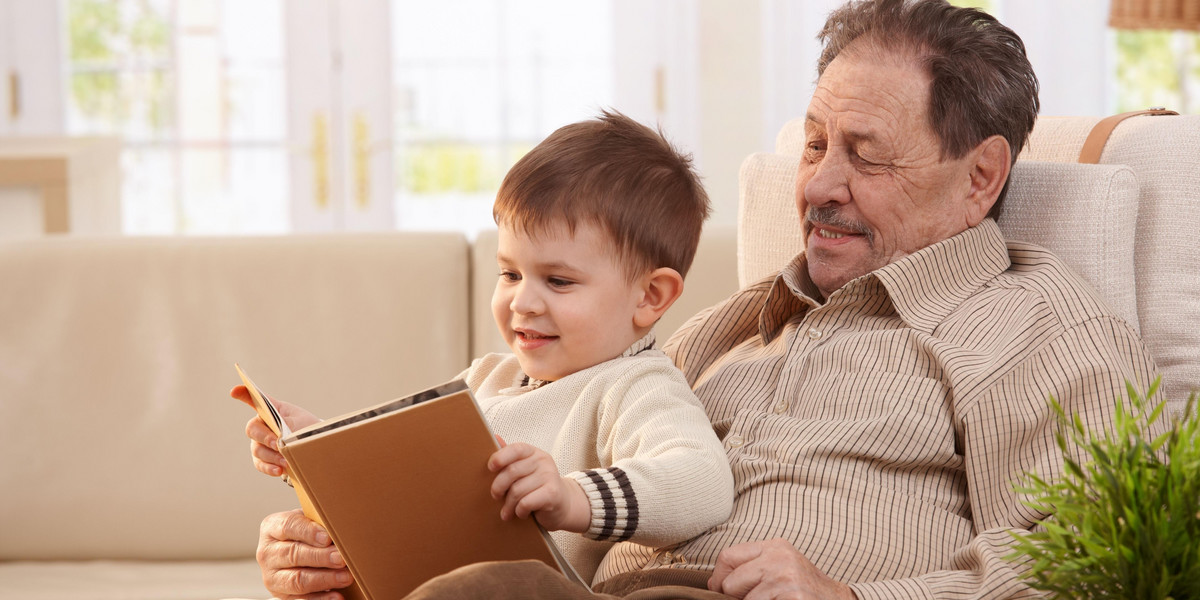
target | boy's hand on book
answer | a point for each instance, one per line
(529, 483)
(298, 560)
(263, 441)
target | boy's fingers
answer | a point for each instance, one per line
(510, 475)
(538, 499)
(510, 454)
(266, 463)
(267, 468)
(258, 431)
(239, 392)
(526, 496)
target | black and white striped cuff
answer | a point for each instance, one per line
(614, 505)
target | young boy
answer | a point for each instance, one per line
(598, 225)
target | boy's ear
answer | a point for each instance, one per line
(660, 289)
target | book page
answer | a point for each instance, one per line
(390, 406)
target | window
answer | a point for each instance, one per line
(1139, 68)
(476, 84)
(226, 131)
(1158, 68)
(195, 88)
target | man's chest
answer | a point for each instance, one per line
(868, 393)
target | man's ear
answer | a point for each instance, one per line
(989, 171)
(660, 289)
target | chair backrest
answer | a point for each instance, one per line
(1127, 225)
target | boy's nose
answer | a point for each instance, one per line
(526, 300)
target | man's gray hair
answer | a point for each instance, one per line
(982, 82)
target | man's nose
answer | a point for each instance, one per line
(829, 183)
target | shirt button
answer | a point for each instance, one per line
(814, 333)
(736, 441)
(664, 558)
(781, 407)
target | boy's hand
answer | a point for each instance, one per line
(263, 442)
(528, 482)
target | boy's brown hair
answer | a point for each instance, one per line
(615, 173)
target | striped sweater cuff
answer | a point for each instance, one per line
(614, 505)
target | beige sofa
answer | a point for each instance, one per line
(125, 472)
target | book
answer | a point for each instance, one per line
(403, 489)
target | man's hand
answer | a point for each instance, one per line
(528, 481)
(298, 560)
(263, 442)
(772, 570)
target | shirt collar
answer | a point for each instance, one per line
(645, 343)
(923, 287)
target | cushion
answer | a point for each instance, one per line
(1161, 151)
(1085, 214)
(131, 580)
(769, 233)
(116, 360)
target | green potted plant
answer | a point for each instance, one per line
(1125, 514)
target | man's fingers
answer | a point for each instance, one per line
(728, 561)
(742, 581)
(298, 559)
(294, 526)
(323, 596)
(301, 582)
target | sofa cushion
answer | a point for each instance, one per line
(116, 360)
(1087, 215)
(1161, 151)
(131, 580)
(769, 232)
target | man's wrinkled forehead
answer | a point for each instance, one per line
(868, 96)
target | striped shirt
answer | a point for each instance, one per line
(881, 431)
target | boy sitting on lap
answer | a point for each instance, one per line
(598, 225)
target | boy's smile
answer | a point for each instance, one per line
(563, 303)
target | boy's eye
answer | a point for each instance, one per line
(509, 276)
(558, 282)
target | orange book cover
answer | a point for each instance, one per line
(403, 489)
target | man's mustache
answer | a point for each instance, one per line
(832, 217)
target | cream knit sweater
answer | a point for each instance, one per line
(631, 432)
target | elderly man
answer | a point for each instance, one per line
(878, 397)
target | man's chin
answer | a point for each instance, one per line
(829, 280)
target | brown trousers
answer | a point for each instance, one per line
(533, 580)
